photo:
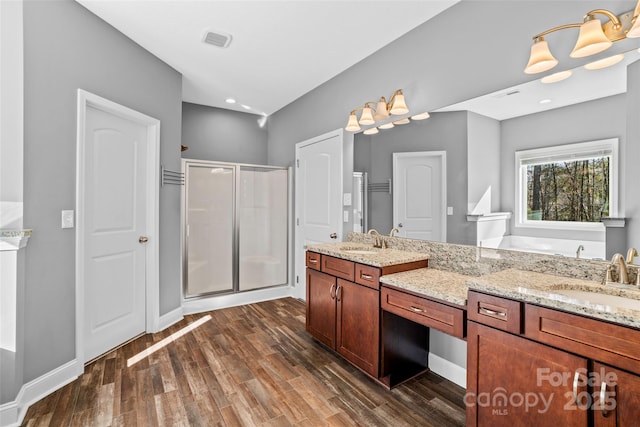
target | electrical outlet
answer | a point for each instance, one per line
(345, 216)
(67, 219)
(449, 210)
(346, 199)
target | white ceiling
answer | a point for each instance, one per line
(279, 50)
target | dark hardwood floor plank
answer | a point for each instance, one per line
(253, 365)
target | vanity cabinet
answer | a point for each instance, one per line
(343, 307)
(531, 365)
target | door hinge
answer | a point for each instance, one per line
(297, 279)
(297, 221)
(297, 162)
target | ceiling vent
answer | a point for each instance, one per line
(217, 39)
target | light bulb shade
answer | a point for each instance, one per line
(381, 110)
(386, 125)
(421, 116)
(371, 131)
(352, 125)
(367, 117)
(591, 40)
(398, 106)
(605, 62)
(402, 121)
(541, 58)
(557, 77)
(635, 29)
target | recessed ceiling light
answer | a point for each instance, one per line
(545, 101)
(386, 125)
(371, 131)
(421, 116)
(557, 77)
(246, 107)
(604, 63)
(230, 101)
(401, 121)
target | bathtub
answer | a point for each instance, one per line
(565, 247)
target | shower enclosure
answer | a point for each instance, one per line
(235, 227)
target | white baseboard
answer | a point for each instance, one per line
(12, 413)
(446, 369)
(234, 300)
(168, 319)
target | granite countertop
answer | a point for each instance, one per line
(438, 284)
(371, 256)
(541, 289)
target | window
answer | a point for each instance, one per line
(570, 186)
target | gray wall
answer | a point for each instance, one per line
(222, 135)
(483, 164)
(442, 132)
(588, 121)
(66, 48)
(631, 160)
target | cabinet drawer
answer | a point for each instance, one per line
(313, 260)
(591, 338)
(424, 311)
(368, 276)
(338, 267)
(495, 311)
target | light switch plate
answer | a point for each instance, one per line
(67, 219)
(346, 199)
(449, 210)
(345, 216)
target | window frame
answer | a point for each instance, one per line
(572, 152)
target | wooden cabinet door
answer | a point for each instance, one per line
(621, 403)
(358, 325)
(321, 307)
(512, 381)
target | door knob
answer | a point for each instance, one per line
(333, 235)
(143, 239)
(400, 225)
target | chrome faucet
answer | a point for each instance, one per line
(393, 231)
(623, 276)
(379, 241)
(580, 249)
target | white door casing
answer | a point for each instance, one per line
(116, 204)
(318, 201)
(419, 195)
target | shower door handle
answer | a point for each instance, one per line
(333, 235)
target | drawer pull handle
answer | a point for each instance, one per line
(488, 312)
(416, 309)
(576, 377)
(313, 261)
(603, 395)
(332, 295)
(365, 276)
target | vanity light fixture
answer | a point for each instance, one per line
(385, 126)
(371, 131)
(373, 111)
(557, 77)
(421, 116)
(605, 62)
(594, 37)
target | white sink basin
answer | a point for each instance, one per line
(594, 298)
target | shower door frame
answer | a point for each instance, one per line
(185, 163)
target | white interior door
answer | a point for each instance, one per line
(115, 228)
(419, 195)
(318, 197)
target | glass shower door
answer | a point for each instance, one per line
(263, 205)
(210, 225)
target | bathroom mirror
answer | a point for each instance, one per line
(480, 137)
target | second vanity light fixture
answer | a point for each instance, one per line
(594, 37)
(374, 111)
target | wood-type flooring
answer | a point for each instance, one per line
(253, 365)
